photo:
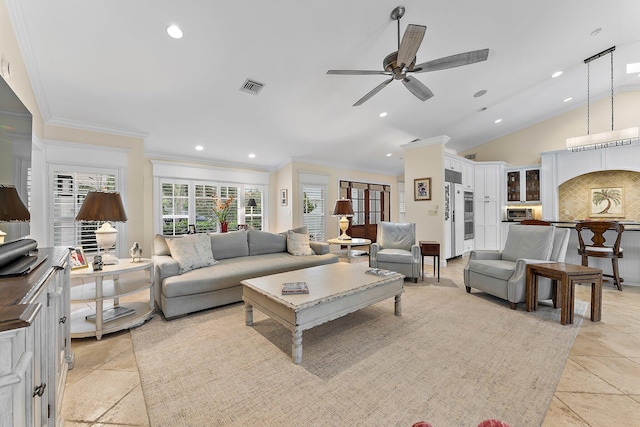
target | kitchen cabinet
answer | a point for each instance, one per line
(462, 165)
(468, 177)
(34, 342)
(487, 205)
(453, 163)
(523, 185)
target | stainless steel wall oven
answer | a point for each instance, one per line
(468, 215)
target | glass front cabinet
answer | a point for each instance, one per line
(523, 185)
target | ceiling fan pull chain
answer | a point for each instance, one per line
(588, 103)
(611, 90)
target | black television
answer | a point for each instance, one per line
(15, 153)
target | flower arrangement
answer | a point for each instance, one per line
(221, 208)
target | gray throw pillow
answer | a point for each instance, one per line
(192, 251)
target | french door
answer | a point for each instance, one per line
(371, 205)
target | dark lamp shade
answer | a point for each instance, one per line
(102, 206)
(251, 203)
(11, 207)
(343, 208)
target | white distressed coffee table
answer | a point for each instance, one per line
(334, 291)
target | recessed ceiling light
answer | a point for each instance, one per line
(596, 31)
(567, 99)
(199, 147)
(388, 154)
(498, 121)
(556, 74)
(174, 31)
(479, 93)
(633, 68)
(383, 114)
(252, 156)
(480, 110)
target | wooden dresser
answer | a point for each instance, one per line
(35, 343)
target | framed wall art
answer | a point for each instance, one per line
(606, 202)
(283, 197)
(422, 189)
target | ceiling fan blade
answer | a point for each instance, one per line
(453, 61)
(417, 88)
(411, 41)
(357, 72)
(373, 92)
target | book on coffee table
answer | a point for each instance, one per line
(295, 288)
(380, 272)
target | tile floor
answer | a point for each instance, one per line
(600, 385)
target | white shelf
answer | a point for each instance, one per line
(82, 328)
(110, 289)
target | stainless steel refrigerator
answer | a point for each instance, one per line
(453, 218)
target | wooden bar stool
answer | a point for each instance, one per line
(598, 248)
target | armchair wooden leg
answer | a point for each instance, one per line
(468, 288)
(415, 280)
(514, 305)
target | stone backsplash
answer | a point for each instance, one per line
(575, 194)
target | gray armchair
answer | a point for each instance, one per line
(504, 273)
(396, 249)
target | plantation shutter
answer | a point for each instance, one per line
(313, 211)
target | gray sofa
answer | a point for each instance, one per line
(240, 255)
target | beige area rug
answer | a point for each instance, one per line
(451, 359)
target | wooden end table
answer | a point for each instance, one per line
(568, 275)
(430, 248)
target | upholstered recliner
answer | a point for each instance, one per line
(395, 249)
(504, 273)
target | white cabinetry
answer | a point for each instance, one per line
(468, 178)
(487, 205)
(462, 165)
(35, 343)
(453, 163)
(523, 185)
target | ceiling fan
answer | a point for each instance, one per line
(399, 64)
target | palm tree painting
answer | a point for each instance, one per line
(607, 202)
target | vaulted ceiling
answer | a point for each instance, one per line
(109, 65)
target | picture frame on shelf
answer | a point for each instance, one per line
(192, 229)
(422, 189)
(284, 200)
(78, 259)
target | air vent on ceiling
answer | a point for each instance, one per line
(252, 87)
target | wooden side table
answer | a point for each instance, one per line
(430, 248)
(568, 275)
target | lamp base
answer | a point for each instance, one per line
(109, 259)
(344, 225)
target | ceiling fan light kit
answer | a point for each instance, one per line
(399, 64)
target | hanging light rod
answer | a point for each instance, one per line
(600, 55)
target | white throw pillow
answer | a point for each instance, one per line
(192, 251)
(298, 244)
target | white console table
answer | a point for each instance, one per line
(109, 285)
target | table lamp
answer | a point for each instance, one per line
(252, 204)
(11, 207)
(343, 208)
(104, 206)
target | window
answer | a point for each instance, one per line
(186, 202)
(313, 208)
(69, 189)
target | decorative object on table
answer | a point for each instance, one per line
(612, 138)
(221, 210)
(289, 288)
(343, 209)
(252, 204)
(283, 197)
(136, 252)
(422, 189)
(607, 202)
(11, 207)
(78, 260)
(382, 272)
(97, 263)
(104, 206)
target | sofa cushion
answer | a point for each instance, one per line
(192, 251)
(263, 242)
(528, 241)
(500, 269)
(399, 256)
(160, 246)
(298, 244)
(229, 245)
